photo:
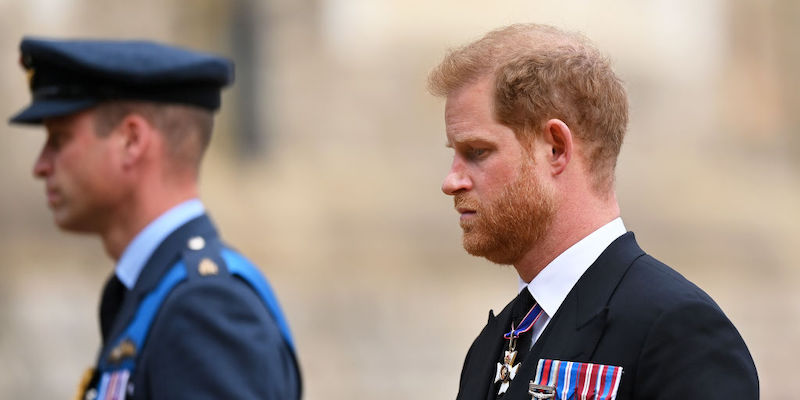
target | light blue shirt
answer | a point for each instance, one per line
(142, 246)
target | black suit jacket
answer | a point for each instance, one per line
(629, 310)
(213, 338)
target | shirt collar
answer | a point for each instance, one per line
(551, 286)
(142, 246)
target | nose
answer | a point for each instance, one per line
(456, 180)
(44, 164)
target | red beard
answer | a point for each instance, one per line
(506, 227)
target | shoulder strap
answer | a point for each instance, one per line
(240, 266)
(129, 343)
(195, 263)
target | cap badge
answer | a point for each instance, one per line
(27, 64)
(29, 73)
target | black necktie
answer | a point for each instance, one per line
(522, 304)
(113, 294)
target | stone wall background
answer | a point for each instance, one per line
(327, 160)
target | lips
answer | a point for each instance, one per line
(53, 196)
(465, 207)
(466, 212)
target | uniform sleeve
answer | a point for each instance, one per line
(695, 352)
(214, 339)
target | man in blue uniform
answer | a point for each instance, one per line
(183, 316)
(536, 117)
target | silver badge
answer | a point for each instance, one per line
(541, 391)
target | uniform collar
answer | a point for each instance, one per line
(555, 281)
(140, 249)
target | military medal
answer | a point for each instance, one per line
(507, 370)
(575, 380)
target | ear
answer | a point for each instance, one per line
(558, 139)
(136, 136)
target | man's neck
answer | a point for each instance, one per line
(566, 230)
(131, 220)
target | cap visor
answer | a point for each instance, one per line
(39, 110)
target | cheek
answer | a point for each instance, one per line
(501, 176)
(98, 174)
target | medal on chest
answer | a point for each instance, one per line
(507, 370)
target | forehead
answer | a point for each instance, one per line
(71, 121)
(469, 115)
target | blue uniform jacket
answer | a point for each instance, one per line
(212, 338)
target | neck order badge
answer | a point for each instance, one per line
(506, 371)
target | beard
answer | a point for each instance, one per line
(505, 228)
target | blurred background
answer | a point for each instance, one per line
(328, 156)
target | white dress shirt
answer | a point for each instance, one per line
(551, 286)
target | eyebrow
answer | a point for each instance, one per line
(469, 139)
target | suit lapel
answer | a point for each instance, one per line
(577, 327)
(480, 366)
(489, 353)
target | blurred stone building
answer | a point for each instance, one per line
(328, 156)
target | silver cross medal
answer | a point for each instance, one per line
(507, 370)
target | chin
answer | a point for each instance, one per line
(70, 223)
(494, 252)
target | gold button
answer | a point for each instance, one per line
(207, 267)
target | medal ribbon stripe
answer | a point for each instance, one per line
(575, 380)
(546, 374)
(592, 387)
(120, 385)
(539, 370)
(103, 387)
(542, 375)
(527, 323)
(617, 377)
(112, 386)
(606, 382)
(598, 388)
(554, 373)
(587, 383)
(571, 388)
(585, 376)
(583, 380)
(610, 383)
(562, 383)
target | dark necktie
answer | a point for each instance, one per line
(113, 294)
(523, 303)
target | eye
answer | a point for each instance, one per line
(53, 142)
(56, 140)
(477, 153)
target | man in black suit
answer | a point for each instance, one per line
(536, 119)
(182, 316)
